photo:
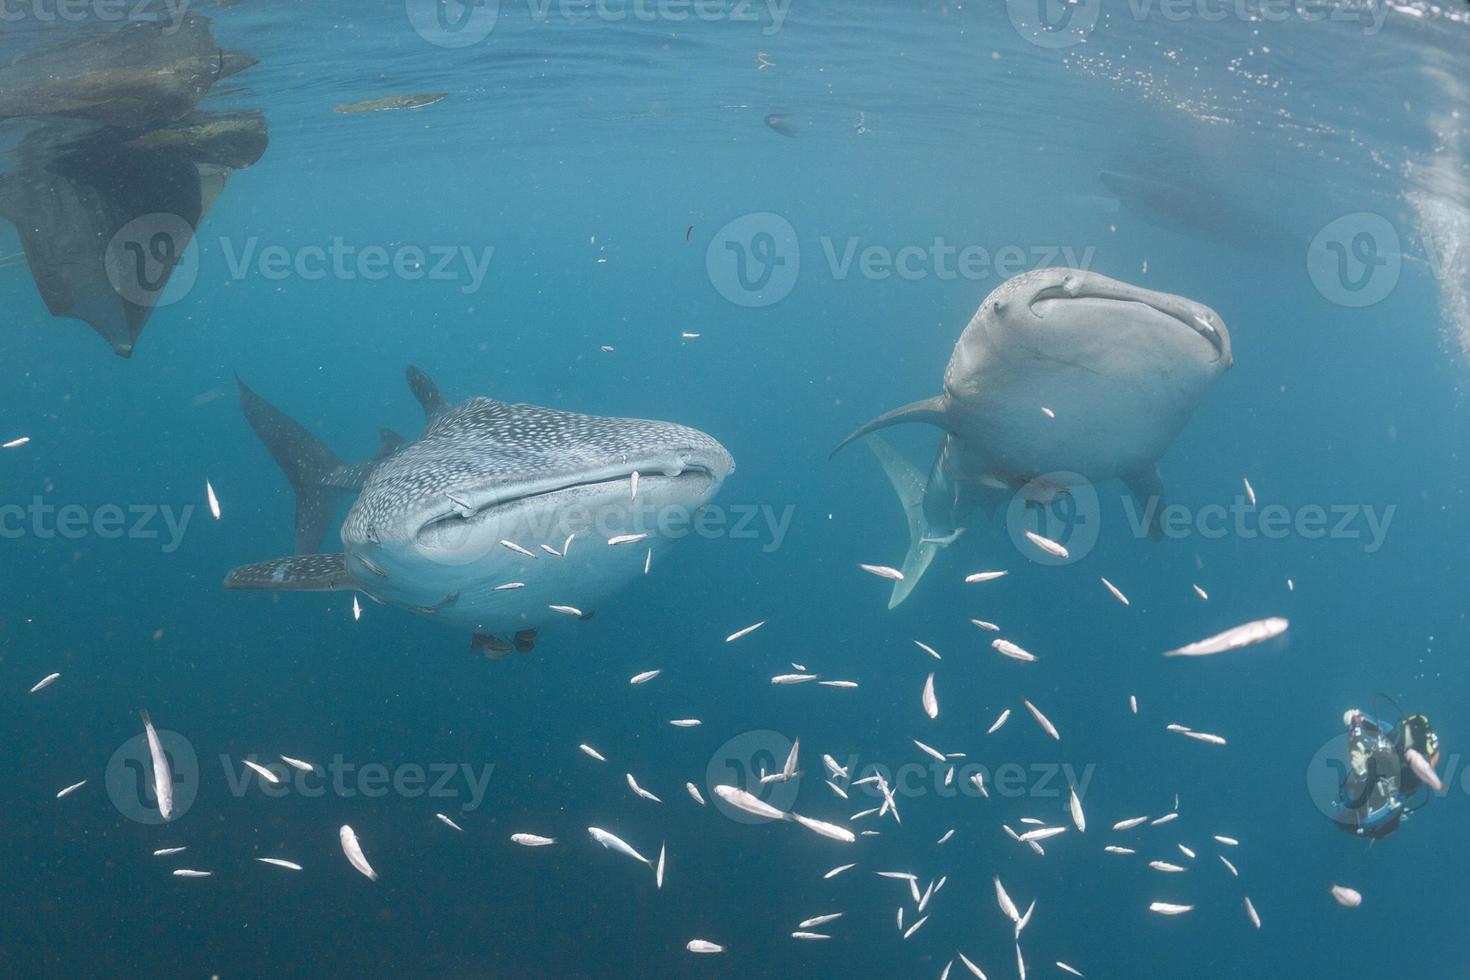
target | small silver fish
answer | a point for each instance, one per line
(280, 863)
(744, 632)
(353, 849)
(614, 843)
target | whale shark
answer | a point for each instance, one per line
(497, 518)
(142, 75)
(105, 216)
(1201, 211)
(1061, 378)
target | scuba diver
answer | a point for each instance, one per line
(1380, 786)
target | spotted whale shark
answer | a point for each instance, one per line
(1062, 378)
(497, 518)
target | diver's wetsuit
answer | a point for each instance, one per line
(1370, 801)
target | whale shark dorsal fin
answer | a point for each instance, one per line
(427, 393)
(298, 573)
(931, 410)
(909, 484)
(1147, 487)
(389, 442)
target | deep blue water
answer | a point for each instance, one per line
(637, 141)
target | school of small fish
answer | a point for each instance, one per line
(1179, 889)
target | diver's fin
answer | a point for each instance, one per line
(424, 389)
(909, 486)
(1147, 487)
(389, 442)
(315, 472)
(931, 410)
(298, 573)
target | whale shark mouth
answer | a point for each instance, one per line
(695, 481)
(1181, 313)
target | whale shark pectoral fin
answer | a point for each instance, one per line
(489, 644)
(924, 544)
(1147, 487)
(931, 410)
(429, 397)
(298, 573)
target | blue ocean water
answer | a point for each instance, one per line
(614, 172)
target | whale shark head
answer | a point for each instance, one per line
(451, 516)
(1073, 317)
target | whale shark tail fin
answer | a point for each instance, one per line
(317, 476)
(909, 485)
(931, 410)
